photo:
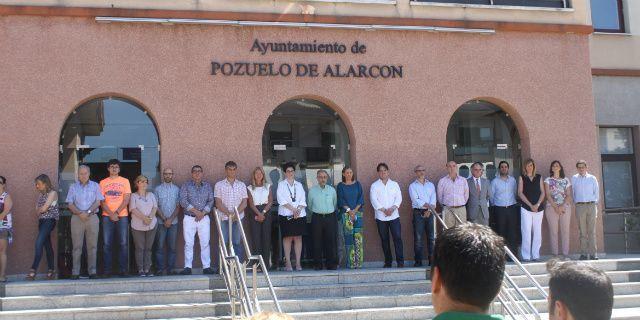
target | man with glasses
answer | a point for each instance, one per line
(385, 199)
(196, 198)
(231, 197)
(168, 195)
(423, 201)
(479, 196)
(84, 200)
(585, 194)
(116, 191)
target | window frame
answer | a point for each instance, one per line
(621, 29)
(629, 157)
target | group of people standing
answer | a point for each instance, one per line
(336, 215)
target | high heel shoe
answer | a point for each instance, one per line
(31, 275)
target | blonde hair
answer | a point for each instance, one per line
(253, 178)
(140, 178)
(271, 316)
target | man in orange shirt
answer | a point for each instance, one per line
(115, 217)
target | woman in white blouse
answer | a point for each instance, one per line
(143, 207)
(260, 201)
(291, 209)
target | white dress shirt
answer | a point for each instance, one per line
(422, 194)
(585, 188)
(386, 196)
(286, 193)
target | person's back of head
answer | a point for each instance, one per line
(579, 291)
(468, 269)
(270, 316)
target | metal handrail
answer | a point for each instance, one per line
(505, 296)
(257, 261)
(231, 271)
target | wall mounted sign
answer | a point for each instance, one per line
(309, 70)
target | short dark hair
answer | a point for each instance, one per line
(585, 290)
(230, 164)
(112, 162)
(289, 165)
(382, 164)
(561, 168)
(468, 257)
(501, 162)
(197, 166)
(4, 180)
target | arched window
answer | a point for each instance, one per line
(481, 131)
(109, 128)
(308, 133)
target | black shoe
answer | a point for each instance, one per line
(317, 268)
(159, 273)
(417, 264)
(74, 277)
(150, 274)
(332, 268)
(208, 271)
(583, 257)
(186, 272)
(93, 276)
(387, 265)
(400, 264)
(172, 273)
(123, 275)
(593, 257)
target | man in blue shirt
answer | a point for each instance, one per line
(84, 200)
(505, 209)
(168, 195)
(423, 201)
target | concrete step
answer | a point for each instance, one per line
(113, 285)
(123, 312)
(603, 264)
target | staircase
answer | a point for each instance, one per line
(344, 294)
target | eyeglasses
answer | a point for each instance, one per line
(290, 170)
(196, 170)
(421, 170)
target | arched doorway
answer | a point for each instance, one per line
(96, 131)
(312, 135)
(481, 131)
(309, 133)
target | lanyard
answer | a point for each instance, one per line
(293, 195)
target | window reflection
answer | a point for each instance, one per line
(606, 15)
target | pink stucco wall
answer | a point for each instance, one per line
(50, 65)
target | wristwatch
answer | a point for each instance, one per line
(264, 211)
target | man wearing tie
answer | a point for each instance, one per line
(479, 195)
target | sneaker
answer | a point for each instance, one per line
(141, 274)
(149, 274)
(186, 272)
(208, 271)
(593, 257)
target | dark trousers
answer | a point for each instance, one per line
(261, 235)
(422, 226)
(393, 227)
(323, 228)
(43, 241)
(507, 225)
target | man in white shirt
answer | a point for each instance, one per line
(585, 195)
(423, 201)
(385, 199)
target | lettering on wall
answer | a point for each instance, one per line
(308, 70)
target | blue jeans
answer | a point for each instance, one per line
(168, 235)
(236, 240)
(45, 226)
(420, 227)
(109, 228)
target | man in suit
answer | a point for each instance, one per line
(479, 195)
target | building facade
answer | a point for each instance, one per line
(326, 84)
(615, 59)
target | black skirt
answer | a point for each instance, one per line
(292, 227)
